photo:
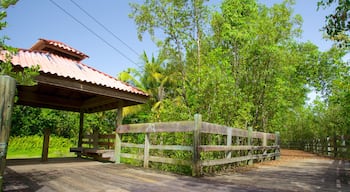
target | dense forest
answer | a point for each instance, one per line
(241, 64)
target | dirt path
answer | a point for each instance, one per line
(296, 171)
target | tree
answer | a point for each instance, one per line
(263, 62)
(242, 66)
(25, 77)
(155, 80)
(182, 23)
(337, 23)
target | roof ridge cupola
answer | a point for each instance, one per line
(58, 48)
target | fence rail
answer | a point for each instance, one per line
(211, 144)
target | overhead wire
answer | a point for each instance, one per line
(93, 32)
(104, 27)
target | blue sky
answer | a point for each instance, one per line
(29, 20)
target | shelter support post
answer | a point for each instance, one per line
(81, 127)
(46, 143)
(7, 92)
(118, 139)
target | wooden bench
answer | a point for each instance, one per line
(97, 146)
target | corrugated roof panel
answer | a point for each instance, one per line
(64, 67)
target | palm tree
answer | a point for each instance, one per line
(154, 79)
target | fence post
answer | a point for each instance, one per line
(95, 137)
(335, 147)
(229, 142)
(250, 153)
(277, 143)
(328, 146)
(146, 151)
(323, 141)
(343, 145)
(264, 143)
(196, 166)
(117, 148)
(7, 92)
(46, 143)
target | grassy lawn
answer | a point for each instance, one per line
(31, 147)
(19, 154)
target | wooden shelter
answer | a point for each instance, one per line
(65, 83)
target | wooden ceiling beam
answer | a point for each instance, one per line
(49, 106)
(98, 101)
(48, 100)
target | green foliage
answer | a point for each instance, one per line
(183, 24)
(104, 122)
(7, 3)
(337, 23)
(31, 121)
(28, 121)
(240, 66)
(25, 76)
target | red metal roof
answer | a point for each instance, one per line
(63, 67)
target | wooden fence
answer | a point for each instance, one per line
(335, 146)
(209, 144)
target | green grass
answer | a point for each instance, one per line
(31, 147)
